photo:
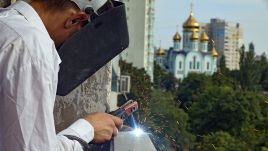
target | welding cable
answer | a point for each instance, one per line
(84, 144)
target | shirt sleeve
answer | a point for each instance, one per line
(27, 93)
(81, 128)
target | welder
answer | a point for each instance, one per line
(30, 35)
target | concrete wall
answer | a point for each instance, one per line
(91, 96)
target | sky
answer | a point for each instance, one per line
(251, 14)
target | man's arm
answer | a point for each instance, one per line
(102, 126)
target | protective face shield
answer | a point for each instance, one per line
(98, 42)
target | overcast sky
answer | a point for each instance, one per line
(251, 14)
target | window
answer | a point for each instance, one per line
(190, 65)
(197, 65)
(194, 58)
(207, 65)
(180, 65)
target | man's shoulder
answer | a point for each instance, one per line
(18, 27)
(26, 39)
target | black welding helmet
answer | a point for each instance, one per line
(98, 42)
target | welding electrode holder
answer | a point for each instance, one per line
(126, 110)
(92, 47)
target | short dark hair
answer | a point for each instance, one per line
(57, 4)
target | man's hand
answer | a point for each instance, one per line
(105, 126)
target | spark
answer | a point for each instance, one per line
(138, 132)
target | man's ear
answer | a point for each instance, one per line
(79, 18)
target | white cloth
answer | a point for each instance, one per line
(29, 66)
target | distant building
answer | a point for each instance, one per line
(140, 17)
(194, 56)
(228, 39)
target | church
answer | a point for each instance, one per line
(194, 55)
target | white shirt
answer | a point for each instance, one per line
(29, 65)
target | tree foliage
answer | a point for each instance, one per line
(224, 109)
(221, 141)
(141, 90)
(263, 65)
(222, 65)
(219, 105)
(169, 123)
(164, 80)
(141, 87)
(249, 71)
(191, 88)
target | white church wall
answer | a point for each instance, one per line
(190, 66)
(208, 65)
(179, 66)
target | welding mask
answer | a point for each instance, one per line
(98, 42)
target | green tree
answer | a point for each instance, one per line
(249, 73)
(164, 80)
(191, 88)
(224, 109)
(242, 56)
(141, 89)
(168, 123)
(222, 65)
(229, 79)
(263, 65)
(221, 141)
(158, 75)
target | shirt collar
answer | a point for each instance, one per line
(30, 14)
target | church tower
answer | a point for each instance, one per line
(194, 41)
(215, 55)
(160, 57)
(204, 42)
(177, 41)
(190, 30)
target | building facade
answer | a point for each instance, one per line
(228, 39)
(140, 18)
(193, 56)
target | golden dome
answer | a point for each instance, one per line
(177, 37)
(194, 36)
(191, 24)
(214, 52)
(204, 37)
(160, 52)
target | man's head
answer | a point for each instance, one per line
(62, 18)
